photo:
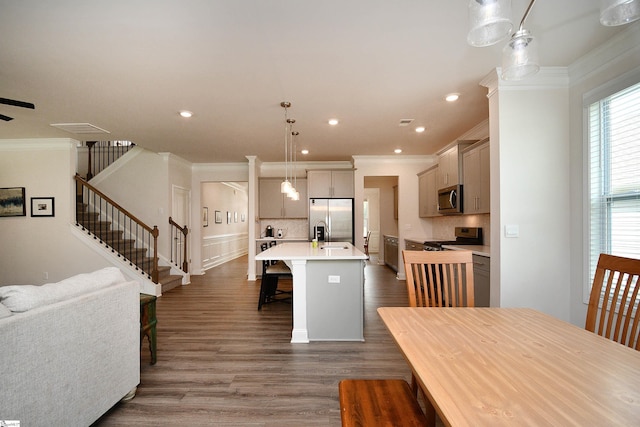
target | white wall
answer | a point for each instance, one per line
(33, 246)
(530, 146)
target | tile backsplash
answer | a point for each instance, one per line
(292, 228)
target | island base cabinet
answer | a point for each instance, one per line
(335, 310)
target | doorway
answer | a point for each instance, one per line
(379, 213)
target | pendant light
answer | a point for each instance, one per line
(295, 194)
(520, 55)
(619, 12)
(285, 186)
(489, 22)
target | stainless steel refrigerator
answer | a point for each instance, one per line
(332, 218)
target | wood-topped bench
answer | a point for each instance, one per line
(387, 402)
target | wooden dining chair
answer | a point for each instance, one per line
(438, 279)
(613, 303)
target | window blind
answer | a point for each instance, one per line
(614, 168)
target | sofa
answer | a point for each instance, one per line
(70, 350)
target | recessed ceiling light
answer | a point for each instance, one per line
(305, 152)
(452, 97)
(420, 129)
(333, 122)
(397, 151)
(186, 114)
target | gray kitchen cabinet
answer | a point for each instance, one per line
(450, 165)
(274, 204)
(477, 187)
(391, 252)
(428, 193)
(481, 280)
(335, 184)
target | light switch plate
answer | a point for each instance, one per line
(511, 230)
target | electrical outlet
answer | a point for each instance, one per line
(334, 279)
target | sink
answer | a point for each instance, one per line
(334, 247)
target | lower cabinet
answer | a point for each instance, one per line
(391, 252)
(481, 274)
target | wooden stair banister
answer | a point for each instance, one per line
(184, 230)
(97, 228)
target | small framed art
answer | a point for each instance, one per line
(205, 216)
(42, 206)
(218, 217)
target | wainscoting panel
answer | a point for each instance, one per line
(222, 248)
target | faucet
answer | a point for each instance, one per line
(315, 228)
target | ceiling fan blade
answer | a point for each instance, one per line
(5, 118)
(17, 103)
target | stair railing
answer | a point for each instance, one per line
(179, 240)
(120, 230)
(103, 153)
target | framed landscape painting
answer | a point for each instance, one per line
(12, 202)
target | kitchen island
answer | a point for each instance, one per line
(328, 289)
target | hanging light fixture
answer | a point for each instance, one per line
(285, 186)
(520, 55)
(295, 194)
(619, 12)
(489, 22)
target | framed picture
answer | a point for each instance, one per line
(235, 217)
(205, 216)
(42, 206)
(12, 202)
(228, 217)
(218, 217)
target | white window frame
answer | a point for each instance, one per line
(613, 86)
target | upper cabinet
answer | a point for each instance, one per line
(428, 193)
(476, 190)
(330, 184)
(274, 204)
(450, 165)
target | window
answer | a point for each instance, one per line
(614, 175)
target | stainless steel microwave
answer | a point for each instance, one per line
(450, 200)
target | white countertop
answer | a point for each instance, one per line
(476, 249)
(305, 250)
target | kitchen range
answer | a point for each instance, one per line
(464, 236)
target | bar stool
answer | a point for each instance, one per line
(272, 270)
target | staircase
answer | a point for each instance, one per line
(123, 234)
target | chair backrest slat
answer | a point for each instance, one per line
(613, 302)
(439, 278)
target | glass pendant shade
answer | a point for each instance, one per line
(520, 57)
(285, 186)
(489, 22)
(619, 12)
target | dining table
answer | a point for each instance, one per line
(515, 367)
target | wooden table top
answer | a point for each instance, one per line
(516, 366)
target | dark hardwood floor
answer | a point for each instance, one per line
(221, 362)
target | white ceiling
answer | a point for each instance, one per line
(129, 66)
